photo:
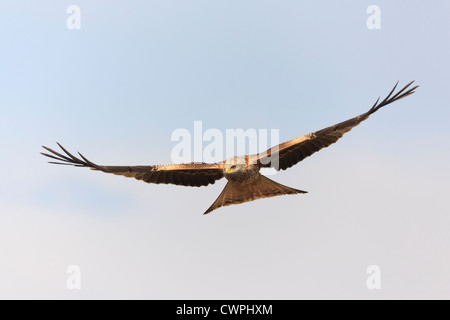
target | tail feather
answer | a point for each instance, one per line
(263, 187)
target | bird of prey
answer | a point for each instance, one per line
(245, 183)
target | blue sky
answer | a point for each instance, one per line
(117, 88)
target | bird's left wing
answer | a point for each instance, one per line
(291, 152)
(189, 174)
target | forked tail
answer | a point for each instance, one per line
(263, 187)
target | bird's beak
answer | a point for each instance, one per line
(227, 170)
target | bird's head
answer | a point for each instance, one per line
(234, 165)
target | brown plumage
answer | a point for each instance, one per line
(245, 183)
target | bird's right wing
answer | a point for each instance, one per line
(189, 174)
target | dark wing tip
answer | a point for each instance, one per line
(67, 158)
(389, 98)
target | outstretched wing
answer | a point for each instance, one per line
(291, 152)
(189, 174)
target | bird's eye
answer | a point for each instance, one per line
(233, 167)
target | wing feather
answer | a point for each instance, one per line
(291, 152)
(189, 174)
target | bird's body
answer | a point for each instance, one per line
(245, 183)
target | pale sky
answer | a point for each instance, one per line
(117, 88)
